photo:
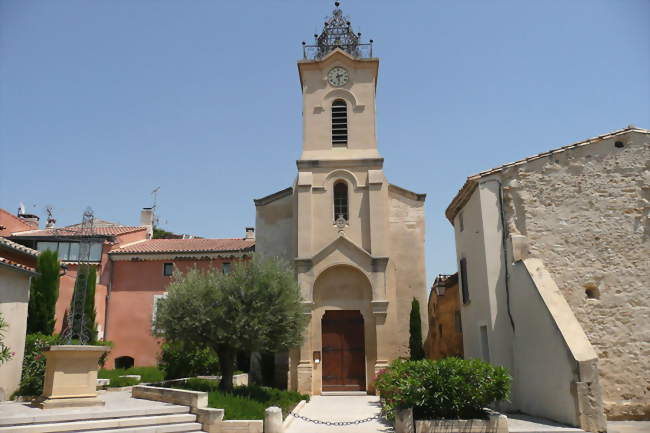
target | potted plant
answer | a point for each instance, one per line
(448, 395)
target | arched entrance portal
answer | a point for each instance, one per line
(343, 331)
(344, 354)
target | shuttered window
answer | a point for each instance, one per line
(463, 280)
(339, 123)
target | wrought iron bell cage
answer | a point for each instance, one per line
(337, 33)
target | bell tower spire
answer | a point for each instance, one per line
(339, 77)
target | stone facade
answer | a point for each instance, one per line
(362, 251)
(556, 250)
(586, 214)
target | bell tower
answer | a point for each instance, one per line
(355, 240)
(338, 76)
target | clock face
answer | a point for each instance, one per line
(338, 76)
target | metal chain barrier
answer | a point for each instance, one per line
(335, 423)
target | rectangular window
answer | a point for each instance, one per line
(485, 347)
(154, 310)
(461, 223)
(225, 268)
(64, 250)
(459, 322)
(463, 280)
(96, 251)
(44, 246)
(74, 252)
(168, 269)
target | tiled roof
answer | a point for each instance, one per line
(17, 247)
(75, 231)
(157, 246)
(18, 221)
(472, 181)
(15, 265)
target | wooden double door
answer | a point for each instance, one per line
(344, 355)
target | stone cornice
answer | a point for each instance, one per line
(339, 163)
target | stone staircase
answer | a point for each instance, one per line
(163, 419)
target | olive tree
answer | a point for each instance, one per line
(255, 307)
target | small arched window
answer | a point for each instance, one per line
(340, 200)
(124, 362)
(339, 123)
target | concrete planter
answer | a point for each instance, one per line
(71, 377)
(211, 419)
(404, 423)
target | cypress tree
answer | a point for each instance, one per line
(43, 294)
(86, 276)
(90, 312)
(415, 337)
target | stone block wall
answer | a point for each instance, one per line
(586, 214)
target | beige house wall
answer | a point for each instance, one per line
(14, 299)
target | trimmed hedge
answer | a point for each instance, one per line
(244, 402)
(450, 388)
(147, 375)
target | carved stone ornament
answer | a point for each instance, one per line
(341, 222)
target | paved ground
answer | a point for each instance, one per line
(340, 408)
(115, 400)
(628, 427)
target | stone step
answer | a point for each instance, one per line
(170, 428)
(154, 423)
(56, 416)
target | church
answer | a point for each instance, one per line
(356, 241)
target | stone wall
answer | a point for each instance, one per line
(586, 214)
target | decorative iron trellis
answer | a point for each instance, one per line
(337, 33)
(76, 319)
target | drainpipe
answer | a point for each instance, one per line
(504, 248)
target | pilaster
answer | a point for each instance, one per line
(378, 217)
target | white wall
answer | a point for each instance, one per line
(14, 297)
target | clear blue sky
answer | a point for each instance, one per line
(102, 101)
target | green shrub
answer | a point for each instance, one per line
(5, 353)
(147, 375)
(449, 388)
(180, 359)
(119, 382)
(31, 381)
(244, 402)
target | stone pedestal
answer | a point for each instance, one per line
(71, 377)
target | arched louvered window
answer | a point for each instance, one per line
(339, 123)
(340, 200)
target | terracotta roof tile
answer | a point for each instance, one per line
(16, 265)
(24, 225)
(17, 247)
(154, 246)
(74, 231)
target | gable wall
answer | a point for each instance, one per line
(586, 214)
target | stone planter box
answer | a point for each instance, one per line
(71, 377)
(496, 423)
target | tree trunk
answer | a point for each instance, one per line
(227, 363)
